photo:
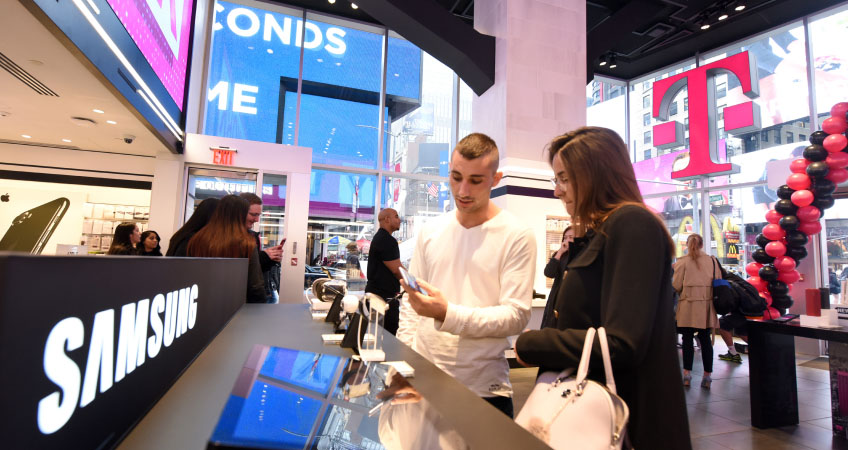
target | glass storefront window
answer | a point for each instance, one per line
(339, 105)
(641, 104)
(783, 100)
(420, 130)
(254, 50)
(829, 33)
(341, 211)
(416, 202)
(466, 96)
(605, 105)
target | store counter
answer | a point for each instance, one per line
(187, 415)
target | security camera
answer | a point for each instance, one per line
(128, 138)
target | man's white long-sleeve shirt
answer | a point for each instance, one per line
(486, 274)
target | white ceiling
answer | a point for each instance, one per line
(28, 43)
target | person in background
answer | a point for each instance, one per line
(355, 277)
(149, 245)
(125, 239)
(556, 269)
(619, 278)
(693, 280)
(179, 241)
(226, 237)
(835, 285)
(483, 260)
(384, 266)
(269, 258)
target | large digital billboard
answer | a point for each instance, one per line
(161, 30)
(142, 48)
(253, 79)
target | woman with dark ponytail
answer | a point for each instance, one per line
(693, 280)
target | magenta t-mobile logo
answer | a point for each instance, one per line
(703, 141)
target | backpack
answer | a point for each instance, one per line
(724, 299)
(748, 300)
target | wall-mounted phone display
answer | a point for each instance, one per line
(31, 229)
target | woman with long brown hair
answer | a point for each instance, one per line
(693, 280)
(619, 278)
(125, 239)
(225, 236)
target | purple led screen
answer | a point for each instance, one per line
(160, 29)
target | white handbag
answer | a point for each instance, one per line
(567, 411)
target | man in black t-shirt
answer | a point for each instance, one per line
(384, 266)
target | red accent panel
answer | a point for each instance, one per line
(739, 116)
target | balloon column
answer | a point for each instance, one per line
(802, 201)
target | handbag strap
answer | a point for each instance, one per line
(583, 368)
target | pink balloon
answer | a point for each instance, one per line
(837, 160)
(783, 264)
(753, 269)
(808, 214)
(789, 277)
(839, 109)
(758, 283)
(834, 125)
(800, 165)
(835, 143)
(775, 248)
(773, 216)
(798, 181)
(810, 228)
(803, 197)
(836, 175)
(773, 232)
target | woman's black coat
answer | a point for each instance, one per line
(619, 277)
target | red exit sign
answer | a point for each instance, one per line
(223, 156)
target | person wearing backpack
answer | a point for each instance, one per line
(693, 280)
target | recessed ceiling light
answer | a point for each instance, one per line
(66, 140)
(397, 74)
(270, 51)
(111, 122)
(705, 26)
(603, 63)
(26, 136)
(353, 5)
(332, 2)
(98, 111)
(740, 7)
(36, 62)
(722, 17)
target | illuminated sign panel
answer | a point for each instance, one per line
(252, 85)
(700, 84)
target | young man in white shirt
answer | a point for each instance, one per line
(481, 263)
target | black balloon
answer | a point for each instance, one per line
(824, 202)
(785, 207)
(762, 257)
(818, 137)
(785, 192)
(789, 223)
(817, 169)
(777, 288)
(822, 187)
(815, 153)
(781, 301)
(768, 273)
(796, 253)
(796, 239)
(762, 240)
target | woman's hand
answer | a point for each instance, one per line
(562, 249)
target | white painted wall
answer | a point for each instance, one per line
(296, 163)
(31, 158)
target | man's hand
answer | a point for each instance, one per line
(433, 305)
(275, 252)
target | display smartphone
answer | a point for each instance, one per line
(411, 281)
(785, 318)
(31, 229)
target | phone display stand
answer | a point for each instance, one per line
(335, 312)
(373, 349)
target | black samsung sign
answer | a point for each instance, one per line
(89, 344)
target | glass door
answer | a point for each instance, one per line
(214, 183)
(272, 223)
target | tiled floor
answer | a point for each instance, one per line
(720, 418)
